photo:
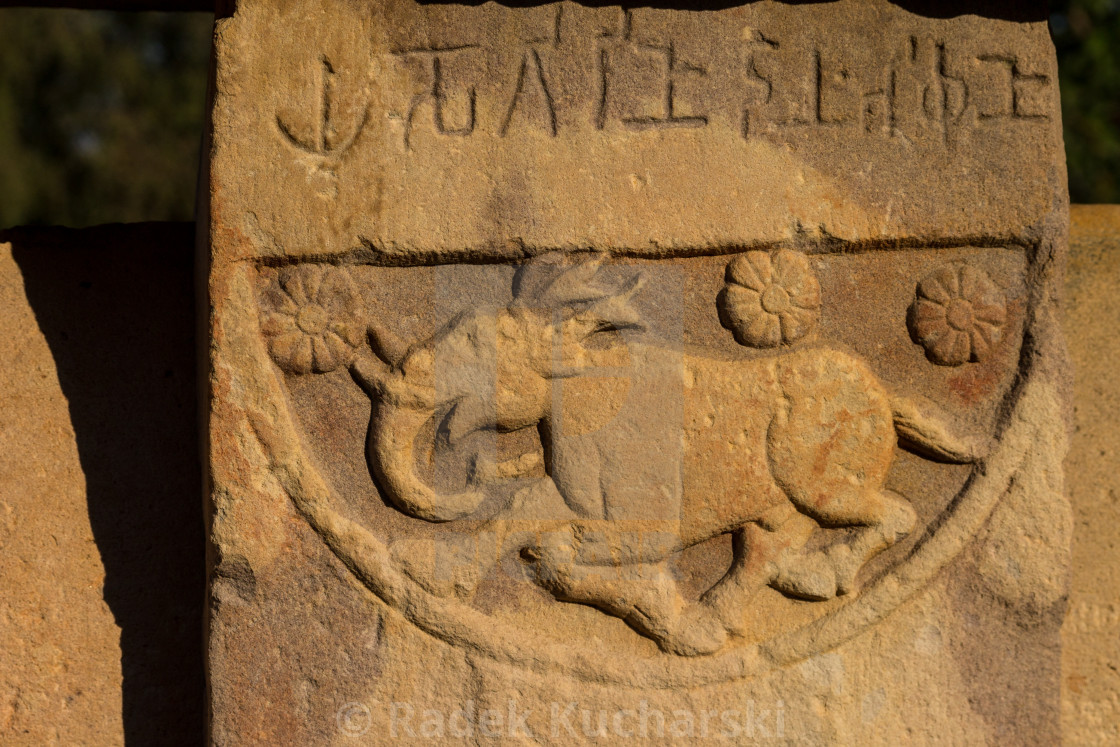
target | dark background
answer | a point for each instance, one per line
(1087, 36)
(101, 113)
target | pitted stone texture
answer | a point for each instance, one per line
(1091, 654)
(101, 536)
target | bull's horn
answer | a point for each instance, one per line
(383, 383)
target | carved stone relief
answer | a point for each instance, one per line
(635, 354)
(769, 302)
(958, 315)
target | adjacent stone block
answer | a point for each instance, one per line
(1091, 634)
(595, 372)
(101, 538)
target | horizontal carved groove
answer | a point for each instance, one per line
(369, 254)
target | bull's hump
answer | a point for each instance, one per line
(741, 378)
(724, 397)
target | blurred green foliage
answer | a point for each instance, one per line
(1087, 37)
(101, 113)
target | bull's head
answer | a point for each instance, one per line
(486, 370)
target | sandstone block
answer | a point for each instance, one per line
(592, 372)
(101, 537)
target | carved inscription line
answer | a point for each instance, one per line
(818, 99)
(671, 118)
(946, 99)
(533, 58)
(672, 66)
(325, 142)
(1019, 83)
(436, 93)
(768, 87)
(756, 43)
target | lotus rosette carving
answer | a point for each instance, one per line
(958, 315)
(770, 300)
(311, 318)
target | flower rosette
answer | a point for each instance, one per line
(311, 318)
(958, 315)
(770, 300)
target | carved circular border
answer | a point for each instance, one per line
(1033, 411)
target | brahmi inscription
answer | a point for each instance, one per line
(619, 68)
(574, 68)
(391, 125)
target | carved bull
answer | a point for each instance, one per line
(672, 451)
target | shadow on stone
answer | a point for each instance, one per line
(116, 306)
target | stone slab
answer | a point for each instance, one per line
(575, 363)
(1089, 685)
(101, 542)
(1091, 635)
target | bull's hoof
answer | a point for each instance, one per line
(846, 566)
(810, 576)
(697, 632)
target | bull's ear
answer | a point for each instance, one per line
(616, 312)
(548, 282)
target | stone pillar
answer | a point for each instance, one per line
(588, 373)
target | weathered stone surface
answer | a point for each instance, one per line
(1091, 635)
(581, 363)
(655, 131)
(101, 540)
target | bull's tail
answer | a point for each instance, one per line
(921, 430)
